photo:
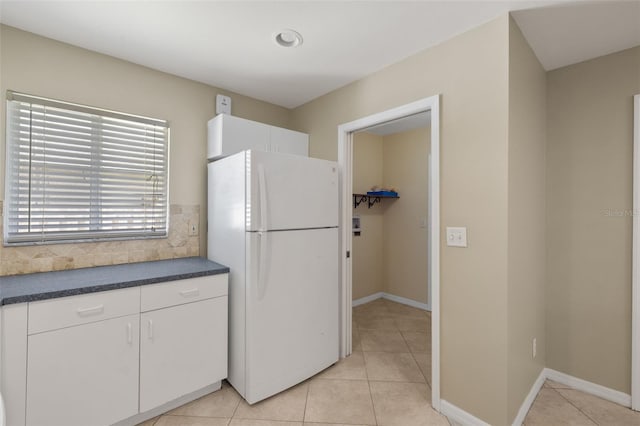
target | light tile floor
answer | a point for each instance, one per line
(386, 381)
(557, 404)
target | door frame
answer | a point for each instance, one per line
(345, 162)
(635, 291)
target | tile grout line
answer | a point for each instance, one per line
(416, 362)
(235, 410)
(413, 357)
(397, 329)
(366, 373)
(373, 405)
(330, 379)
(575, 406)
(531, 407)
(409, 351)
(306, 400)
(196, 416)
(427, 380)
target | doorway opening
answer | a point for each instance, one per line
(427, 107)
(635, 290)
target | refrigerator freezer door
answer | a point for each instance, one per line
(292, 308)
(290, 192)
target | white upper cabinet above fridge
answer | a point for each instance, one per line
(288, 141)
(228, 135)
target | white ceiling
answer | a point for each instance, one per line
(567, 34)
(230, 44)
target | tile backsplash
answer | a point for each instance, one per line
(56, 257)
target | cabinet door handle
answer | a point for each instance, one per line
(190, 293)
(129, 333)
(95, 310)
(150, 329)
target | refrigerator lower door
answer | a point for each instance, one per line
(292, 308)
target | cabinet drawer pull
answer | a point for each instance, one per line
(150, 329)
(190, 293)
(129, 333)
(84, 312)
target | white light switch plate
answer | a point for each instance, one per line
(456, 236)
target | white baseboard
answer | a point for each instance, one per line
(458, 415)
(588, 387)
(393, 298)
(531, 396)
(405, 301)
(367, 299)
(139, 418)
(462, 417)
(600, 391)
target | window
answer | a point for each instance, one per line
(76, 173)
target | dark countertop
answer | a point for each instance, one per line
(49, 285)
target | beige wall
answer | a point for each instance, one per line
(390, 254)
(405, 164)
(41, 66)
(470, 72)
(527, 224)
(589, 174)
(368, 258)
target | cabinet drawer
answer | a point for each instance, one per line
(74, 310)
(174, 293)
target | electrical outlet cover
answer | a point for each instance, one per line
(193, 229)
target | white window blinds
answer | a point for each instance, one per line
(80, 173)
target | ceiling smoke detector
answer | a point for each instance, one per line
(288, 38)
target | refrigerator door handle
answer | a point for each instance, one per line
(262, 265)
(262, 232)
(262, 186)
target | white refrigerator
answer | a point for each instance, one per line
(273, 219)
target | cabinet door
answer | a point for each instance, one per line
(84, 375)
(289, 142)
(182, 349)
(229, 134)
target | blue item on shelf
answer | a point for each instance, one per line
(383, 193)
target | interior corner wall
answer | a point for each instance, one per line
(40, 66)
(527, 220)
(405, 244)
(368, 261)
(589, 217)
(470, 72)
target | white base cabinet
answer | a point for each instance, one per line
(84, 375)
(110, 357)
(180, 350)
